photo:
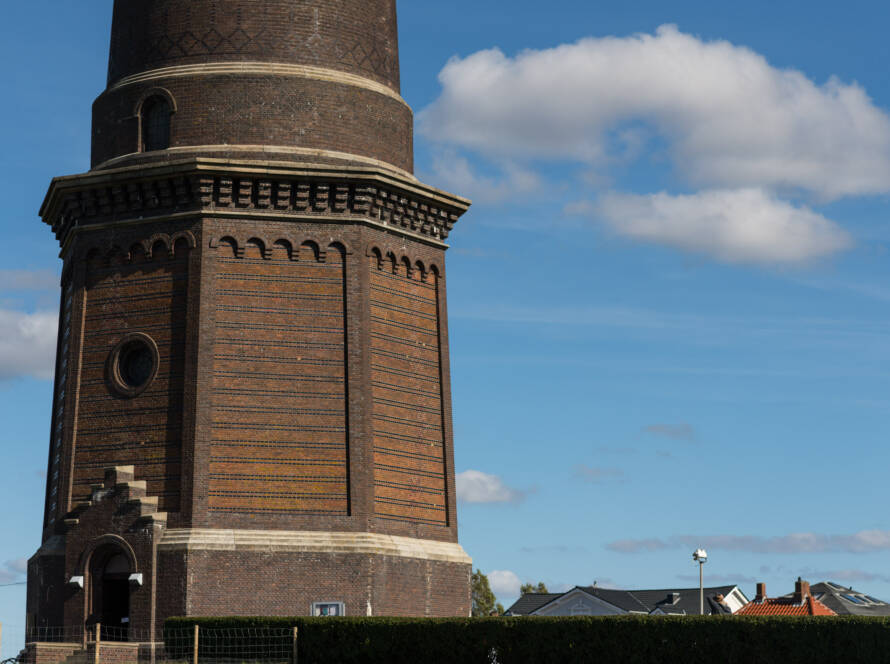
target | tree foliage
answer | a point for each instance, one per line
(528, 588)
(484, 601)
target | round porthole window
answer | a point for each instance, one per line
(133, 364)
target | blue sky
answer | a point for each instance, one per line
(668, 305)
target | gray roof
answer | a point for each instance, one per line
(531, 602)
(632, 601)
(833, 595)
(689, 601)
(623, 599)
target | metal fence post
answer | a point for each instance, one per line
(196, 645)
(296, 649)
(96, 654)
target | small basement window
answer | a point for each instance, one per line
(328, 609)
(155, 114)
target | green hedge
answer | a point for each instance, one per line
(624, 639)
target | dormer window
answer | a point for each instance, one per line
(156, 113)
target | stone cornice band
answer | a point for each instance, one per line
(260, 69)
(271, 150)
(245, 189)
(274, 541)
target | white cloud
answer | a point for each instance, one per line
(19, 565)
(729, 119)
(504, 583)
(739, 226)
(13, 571)
(455, 172)
(474, 486)
(27, 344)
(866, 541)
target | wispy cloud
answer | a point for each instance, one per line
(455, 172)
(706, 329)
(28, 280)
(593, 475)
(866, 541)
(27, 344)
(474, 486)
(725, 579)
(562, 549)
(616, 451)
(13, 571)
(847, 576)
(680, 431)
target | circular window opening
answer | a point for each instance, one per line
(133, 365)
(136, 364)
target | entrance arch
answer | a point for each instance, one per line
(110, 571)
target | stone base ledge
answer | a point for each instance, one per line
(270, 541)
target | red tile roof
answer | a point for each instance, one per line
(785, 606)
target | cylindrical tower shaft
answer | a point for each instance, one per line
(303, 80)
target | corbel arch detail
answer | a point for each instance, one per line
(283, 246)
(395, 260)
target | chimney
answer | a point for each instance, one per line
(801, 591)
(761, 593)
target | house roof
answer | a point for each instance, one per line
(623, 599)
(786, 606)
(848, 602)
(633, 601)
(531, 602)
(688, 601)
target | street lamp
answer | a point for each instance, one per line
(701, 557)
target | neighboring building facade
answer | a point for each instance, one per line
(800, 603)
(252, 406)
(595, 601)
(848, 602)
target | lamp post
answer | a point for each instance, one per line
(701, 557)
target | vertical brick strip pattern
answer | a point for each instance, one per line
(279, 409)
(409, 465)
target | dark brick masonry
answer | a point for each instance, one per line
(287, 438)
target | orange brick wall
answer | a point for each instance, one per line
(279, 383)
(133, 294)
(409, 451)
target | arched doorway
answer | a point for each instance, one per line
(111, 593)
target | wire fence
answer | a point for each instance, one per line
(95, 644)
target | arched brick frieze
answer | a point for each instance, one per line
(283, 249)
(399, 262)
(258, 245)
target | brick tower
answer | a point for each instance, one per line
(252, 410)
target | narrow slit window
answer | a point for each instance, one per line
(155, 124)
